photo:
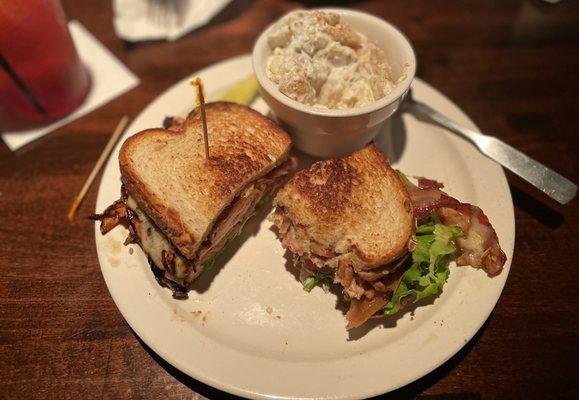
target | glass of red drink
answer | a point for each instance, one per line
(41, 76)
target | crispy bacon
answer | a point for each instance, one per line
(345, 276)
(480, 245)
(425, 183)
(114, 215)
(363, 309)
(427, 200)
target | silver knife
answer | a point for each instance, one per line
(543, 178)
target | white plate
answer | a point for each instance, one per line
(248, 328)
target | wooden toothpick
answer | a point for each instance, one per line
(201, 103)
(103, 157)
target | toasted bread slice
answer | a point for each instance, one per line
(357, 204)
(184, 193)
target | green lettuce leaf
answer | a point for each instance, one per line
(262, 201)
(319, 278)
(207, 265)
(404, 178)
(435, 249)
(309, 284)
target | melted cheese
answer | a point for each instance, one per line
(154, 242)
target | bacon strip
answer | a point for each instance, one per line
(114, 215)
(362, 310)
(480, 245)
(427, 197)
(425, 183)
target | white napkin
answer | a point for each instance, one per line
(110, 79)
(135, 20)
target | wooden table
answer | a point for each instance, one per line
(512, 66)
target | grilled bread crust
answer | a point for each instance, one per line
(183, 192)
(356, 205)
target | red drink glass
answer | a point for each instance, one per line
(41, 76)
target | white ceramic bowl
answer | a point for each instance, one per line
(333, 133)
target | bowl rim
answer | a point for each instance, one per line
(399, 90)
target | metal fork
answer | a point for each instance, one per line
(543, 178)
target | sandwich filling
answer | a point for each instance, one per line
(170, 266)
(366, 290)
(446, 230)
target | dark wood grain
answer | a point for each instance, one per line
(512, 66)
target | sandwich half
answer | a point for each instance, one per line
(182, 208)
(386, 242)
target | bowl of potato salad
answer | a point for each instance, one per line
(333, 76)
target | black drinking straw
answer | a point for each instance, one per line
(5, 65)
